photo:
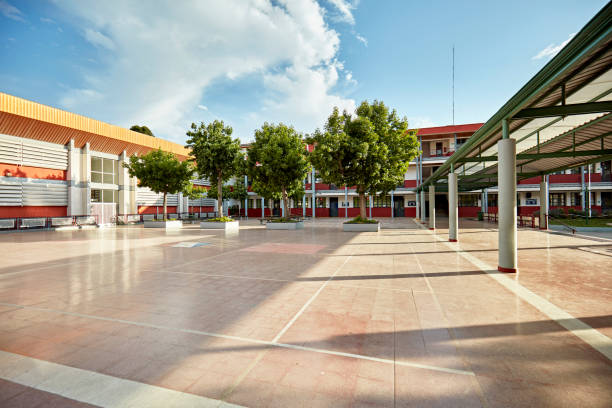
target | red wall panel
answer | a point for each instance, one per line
(33, 211)
(410, 183)
(31, 172)
(468, 211)
(410, 212)
(152, 210)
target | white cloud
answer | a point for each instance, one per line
(10, 11)
(417, 122)
(362, 39)
(98, 39)
(163, 57)
(345, 10)
(47, 20)
(202, 107)
(552, 49)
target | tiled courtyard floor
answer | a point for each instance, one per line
(317, 317)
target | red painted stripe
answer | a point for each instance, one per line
(506, 270)
(32, 211)
(13, 170)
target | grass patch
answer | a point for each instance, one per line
(582, 222)
(221, 219)
(359, 220)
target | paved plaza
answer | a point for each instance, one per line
(316, 317)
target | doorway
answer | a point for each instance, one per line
(398, 206)
(333, 206)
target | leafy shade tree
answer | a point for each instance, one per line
(162, 173)
(142, 129)
(277, 162)
(217, 155)
(370, 150)
(240, 193)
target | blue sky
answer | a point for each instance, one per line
(165, 64)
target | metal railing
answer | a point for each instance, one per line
(33, 223)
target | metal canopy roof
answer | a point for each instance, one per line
(559, 119)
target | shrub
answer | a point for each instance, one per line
(284, 220)
(221, 219)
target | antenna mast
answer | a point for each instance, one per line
(453, 84)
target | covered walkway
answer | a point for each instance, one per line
(560, 119)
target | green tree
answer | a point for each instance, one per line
(371, 150)
(216, 154)
(240, 193)
(162, 173)
(277, 162)
(142, 129)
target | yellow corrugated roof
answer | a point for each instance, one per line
(24, 118)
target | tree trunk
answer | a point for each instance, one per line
(220, 195)
(285, 202)
(362, 204)
(165, 206)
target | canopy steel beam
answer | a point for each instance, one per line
(564, 110)
(535, 156)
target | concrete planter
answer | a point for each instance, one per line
(164, 224)
(226, 226)
(285, 225)
(361, 227)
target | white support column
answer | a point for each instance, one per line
(124, 185)
(582, 189)
(246, 200)
(371, 205)
(304, 204)
(417, 214)
(263, 208)
(314, 199)
(392, 208)
(432, 207)
(544, 202)
(423, 215)
(133, 209)
(453, 209)
(75, 185)
(346, 203)
(86, 179)
(508, 256)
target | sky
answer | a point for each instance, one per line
(166, 64)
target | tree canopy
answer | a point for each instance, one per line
(142, 129)
(277, 162)
(217, 155)
(162, 173)
(371, 150)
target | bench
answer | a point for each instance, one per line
(33, 222)
(7, 223)
(61, 221)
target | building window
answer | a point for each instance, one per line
(575, 199)
(104, 196)
(468, 200)
(382, 201)
(321, 202)
(557, 199)
(491, 200)
(104, 170)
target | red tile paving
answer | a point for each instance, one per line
(405, 319)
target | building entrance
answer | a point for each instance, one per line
(333, 206)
